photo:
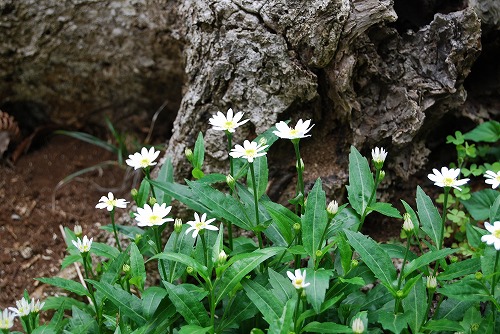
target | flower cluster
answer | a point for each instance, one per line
(24, 307)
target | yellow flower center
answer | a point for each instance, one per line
(229, 125)
(199, 225)
(250, 153)
(145, 162)
(111, 202)
(448, 181)
(496, 234)
(299, 281)
(294, 132)
(497, 178)
(154, 219)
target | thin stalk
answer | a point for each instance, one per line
(175, 250)
(493, 285)
(159, 250)
(256, 200)
(297, 311)
(372, 195)
(300, 180)
(398, 300)
(91, 290)
(112, 215)
(204, 243)
(146, 172)
(443, 217)
(231, 172)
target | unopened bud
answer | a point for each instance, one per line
(78, 230)
(478, 275)
(262, 141)
(152, 201)
(357, 326)
(354, 263)
(126, 268)
(319, 253)
(190, 270)
(332, 208)
(381, 176)
(178, 225)
(454, 259)
(296, 227)
(431, 282)
(400, 294)
(222, 258)
(134, 192)
(189, 154)
(300, 165)
(231, 182)
(408, 226)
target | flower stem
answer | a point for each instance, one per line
(443, 217)
(256, 200)
(398, 300)
(372, 195)
(91, 290)
(204, 243)
(300, 180)
(146, 171)
(159, 250)
(112, 214)
(495, 273)
(231, 172)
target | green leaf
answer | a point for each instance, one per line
(443, 325)
(241, 308)
(284, 324)
(261, 176)
(240, 268)
(457, 140)
(197, 173)
(199, 152)
(65, 303)
(315, 219)
(65, 284)
(70, 259)
(488, 132)
(472, 317)
(166, 174)
(267, 303)
(137, 268)
(480, 203)
(459, 269)
(429, 217)
(325, 327)
(453, 309)
(183, 244)
(187, 260)
(151, 298)
(393, 322)
(468, 289)
(386, 209)
(427, 258)
(143, 193)
(345, 219)
(187, 305)
(85, 137)
(220, 205)
(181, 193)
(114, 270)
(415, 305)
(495, 210)
(194, 329)
(282, 218)
(474, 235)
(129, 304)
(81, 322)
(345, 251)
(361, 182)
(319, 281)
(282, 288)
(104, 250)
(375, 258)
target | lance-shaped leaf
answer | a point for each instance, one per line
(374, 257)
(314, 220)
(267, 303)
(240, 268)
(281, 286)
(480, 202)
(429, 217)
(187, 260)
(187, 305)
(182, 193)
(284, 324)
(283, 219)
(459, 269)
(166, 174)
(415, 305)
(426, 259)
(325, 327)
(319, 281)
(261, 176)
(137, 268)
(361, 182)
(129, 304)
(65, 284)
(467, 289)
(239, 309)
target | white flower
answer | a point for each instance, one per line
(199, 224)
(22, 308)
(144, 159)
(249, 150)
(300, 131)
(37, 306)
(83, 245)
(431, 282)
(357, 326)
(148, 216)
(494, 237)
(447, 178)
(226, 123)
(492, 178)
(332, 208)
(379, 155)
(111, 202)
(299, 279)
(408, 225)
(7, 319)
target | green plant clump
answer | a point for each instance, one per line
(308, 269)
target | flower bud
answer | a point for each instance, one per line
(400, 294)
(152, 201)
(431, 282)
(478, 275)
(134, 192)
(381, 175)
(126, 268)
(262, 141)
(332, 209)
(231, 182)
(408, 226)
(189, 154)
(300, 165)
(378, 156)
(190, 271)
(296, 227)
(178, 225)
(78, 230)
(454, 259)
(221, 259)
(354, 263)
(319, 253)
(357, 326)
